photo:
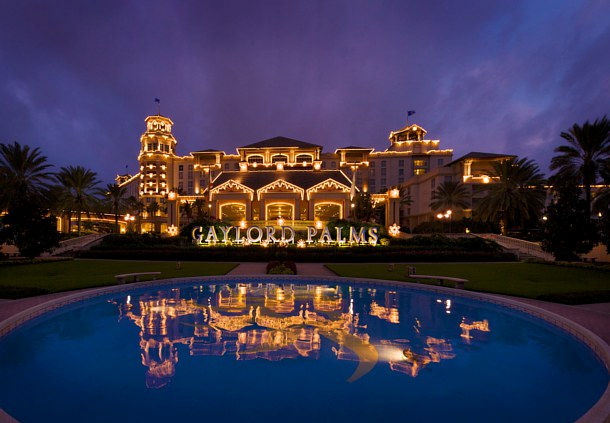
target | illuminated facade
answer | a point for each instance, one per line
(280, 177)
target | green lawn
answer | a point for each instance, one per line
(568, 285)
(33, 279)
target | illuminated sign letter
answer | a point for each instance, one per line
(339, 239)
(373, 235)
(270, 232)
(354, 237)
(238, 239)
(198, 238)
(225, 232)
(211, 235)
(325, 237)
(249, 234)
(289, 229)
(311, 232)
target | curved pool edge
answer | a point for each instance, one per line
(598, 413)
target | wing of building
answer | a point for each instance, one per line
(294, 179)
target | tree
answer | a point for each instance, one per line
(601, 206)
(136, 207)
(187, 210)
(80, 186)
(115, 195)
(152, 208)
(450, 196)
(583, 157)
(27, 227)
(200, 209)
(24, 175)
(24, 192)
(516, 195)
(363, 207)
(565, 233)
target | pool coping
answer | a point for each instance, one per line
(599, 412)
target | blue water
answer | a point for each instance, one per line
(290, 352)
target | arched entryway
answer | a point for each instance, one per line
(328, 210)
(279, 209)
(233, 212)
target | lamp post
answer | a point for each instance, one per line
(446, 216)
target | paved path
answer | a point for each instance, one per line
(249, 269)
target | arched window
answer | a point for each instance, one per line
(304, 158)
(277, 210)
(327, 211)
(279, 158)
(255, 159)
(233, 212)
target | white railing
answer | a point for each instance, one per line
(520, 245)
(76, 243)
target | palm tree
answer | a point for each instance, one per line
(200, 211)
(187, 210)
(24, 175)
(450, 195)
(80, 186)
(152, 208)
(115, 193)
(584, 156)
(517, 194)
(136, 207)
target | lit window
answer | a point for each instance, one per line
(279, 158)
(255, 159)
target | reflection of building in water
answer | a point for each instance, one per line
(274, 322)
(390, 311)
(482, 326)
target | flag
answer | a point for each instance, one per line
(410, 112)
(159, 101)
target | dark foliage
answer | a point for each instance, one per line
(282, 267)
(567, 231)
(25, 227)
(457, 226)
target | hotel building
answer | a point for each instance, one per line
(296, 180)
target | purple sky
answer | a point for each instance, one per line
(78, 78)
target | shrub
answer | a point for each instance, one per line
(281, 268)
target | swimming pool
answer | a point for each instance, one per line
(281, 348)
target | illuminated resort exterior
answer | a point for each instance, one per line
(295, 180)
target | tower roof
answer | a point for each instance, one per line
(281, 142)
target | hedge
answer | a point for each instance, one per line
(310, 254)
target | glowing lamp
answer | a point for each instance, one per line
(301, 244)
(544, 218)
(486, 179)
(394, 193)
(172, 230)
(279, 165)
(126, 217)
(242, 224)
(280, 221)
(439, 216)
(171, 196)
(318, 224)
(448, 213)
(467, 230)
(316, 166)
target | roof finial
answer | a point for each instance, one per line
(158, 101)
(409, 113)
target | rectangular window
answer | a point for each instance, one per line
(181, 167)
(440, 162)
(190, 168)
(323, 165)
(372, 172)
(190, 174)
(383, 171)
(180, 175)
(401, 172)
(383, 181)
(190, 185)
(401, 180)
(419, 171)
(180, 185)
(401, 163)
(226, 166)
(383, 163)
(372, 164)
(333, 165)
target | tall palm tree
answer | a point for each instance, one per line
(114, 194)
(80, 185)
(136, 206)
(200, 208)
(187, 210)
(450, 195)
(518, 193)
(152, 208)
(24, 175)
(584, 156)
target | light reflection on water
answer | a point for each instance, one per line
(298, 352)
(276, 322)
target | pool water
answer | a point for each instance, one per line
(278, 350)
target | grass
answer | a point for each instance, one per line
(548, 282)
(34, 279)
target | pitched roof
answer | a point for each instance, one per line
(301, 178)
(280, 142)
(480, 155)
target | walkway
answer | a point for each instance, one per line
(307, 269)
